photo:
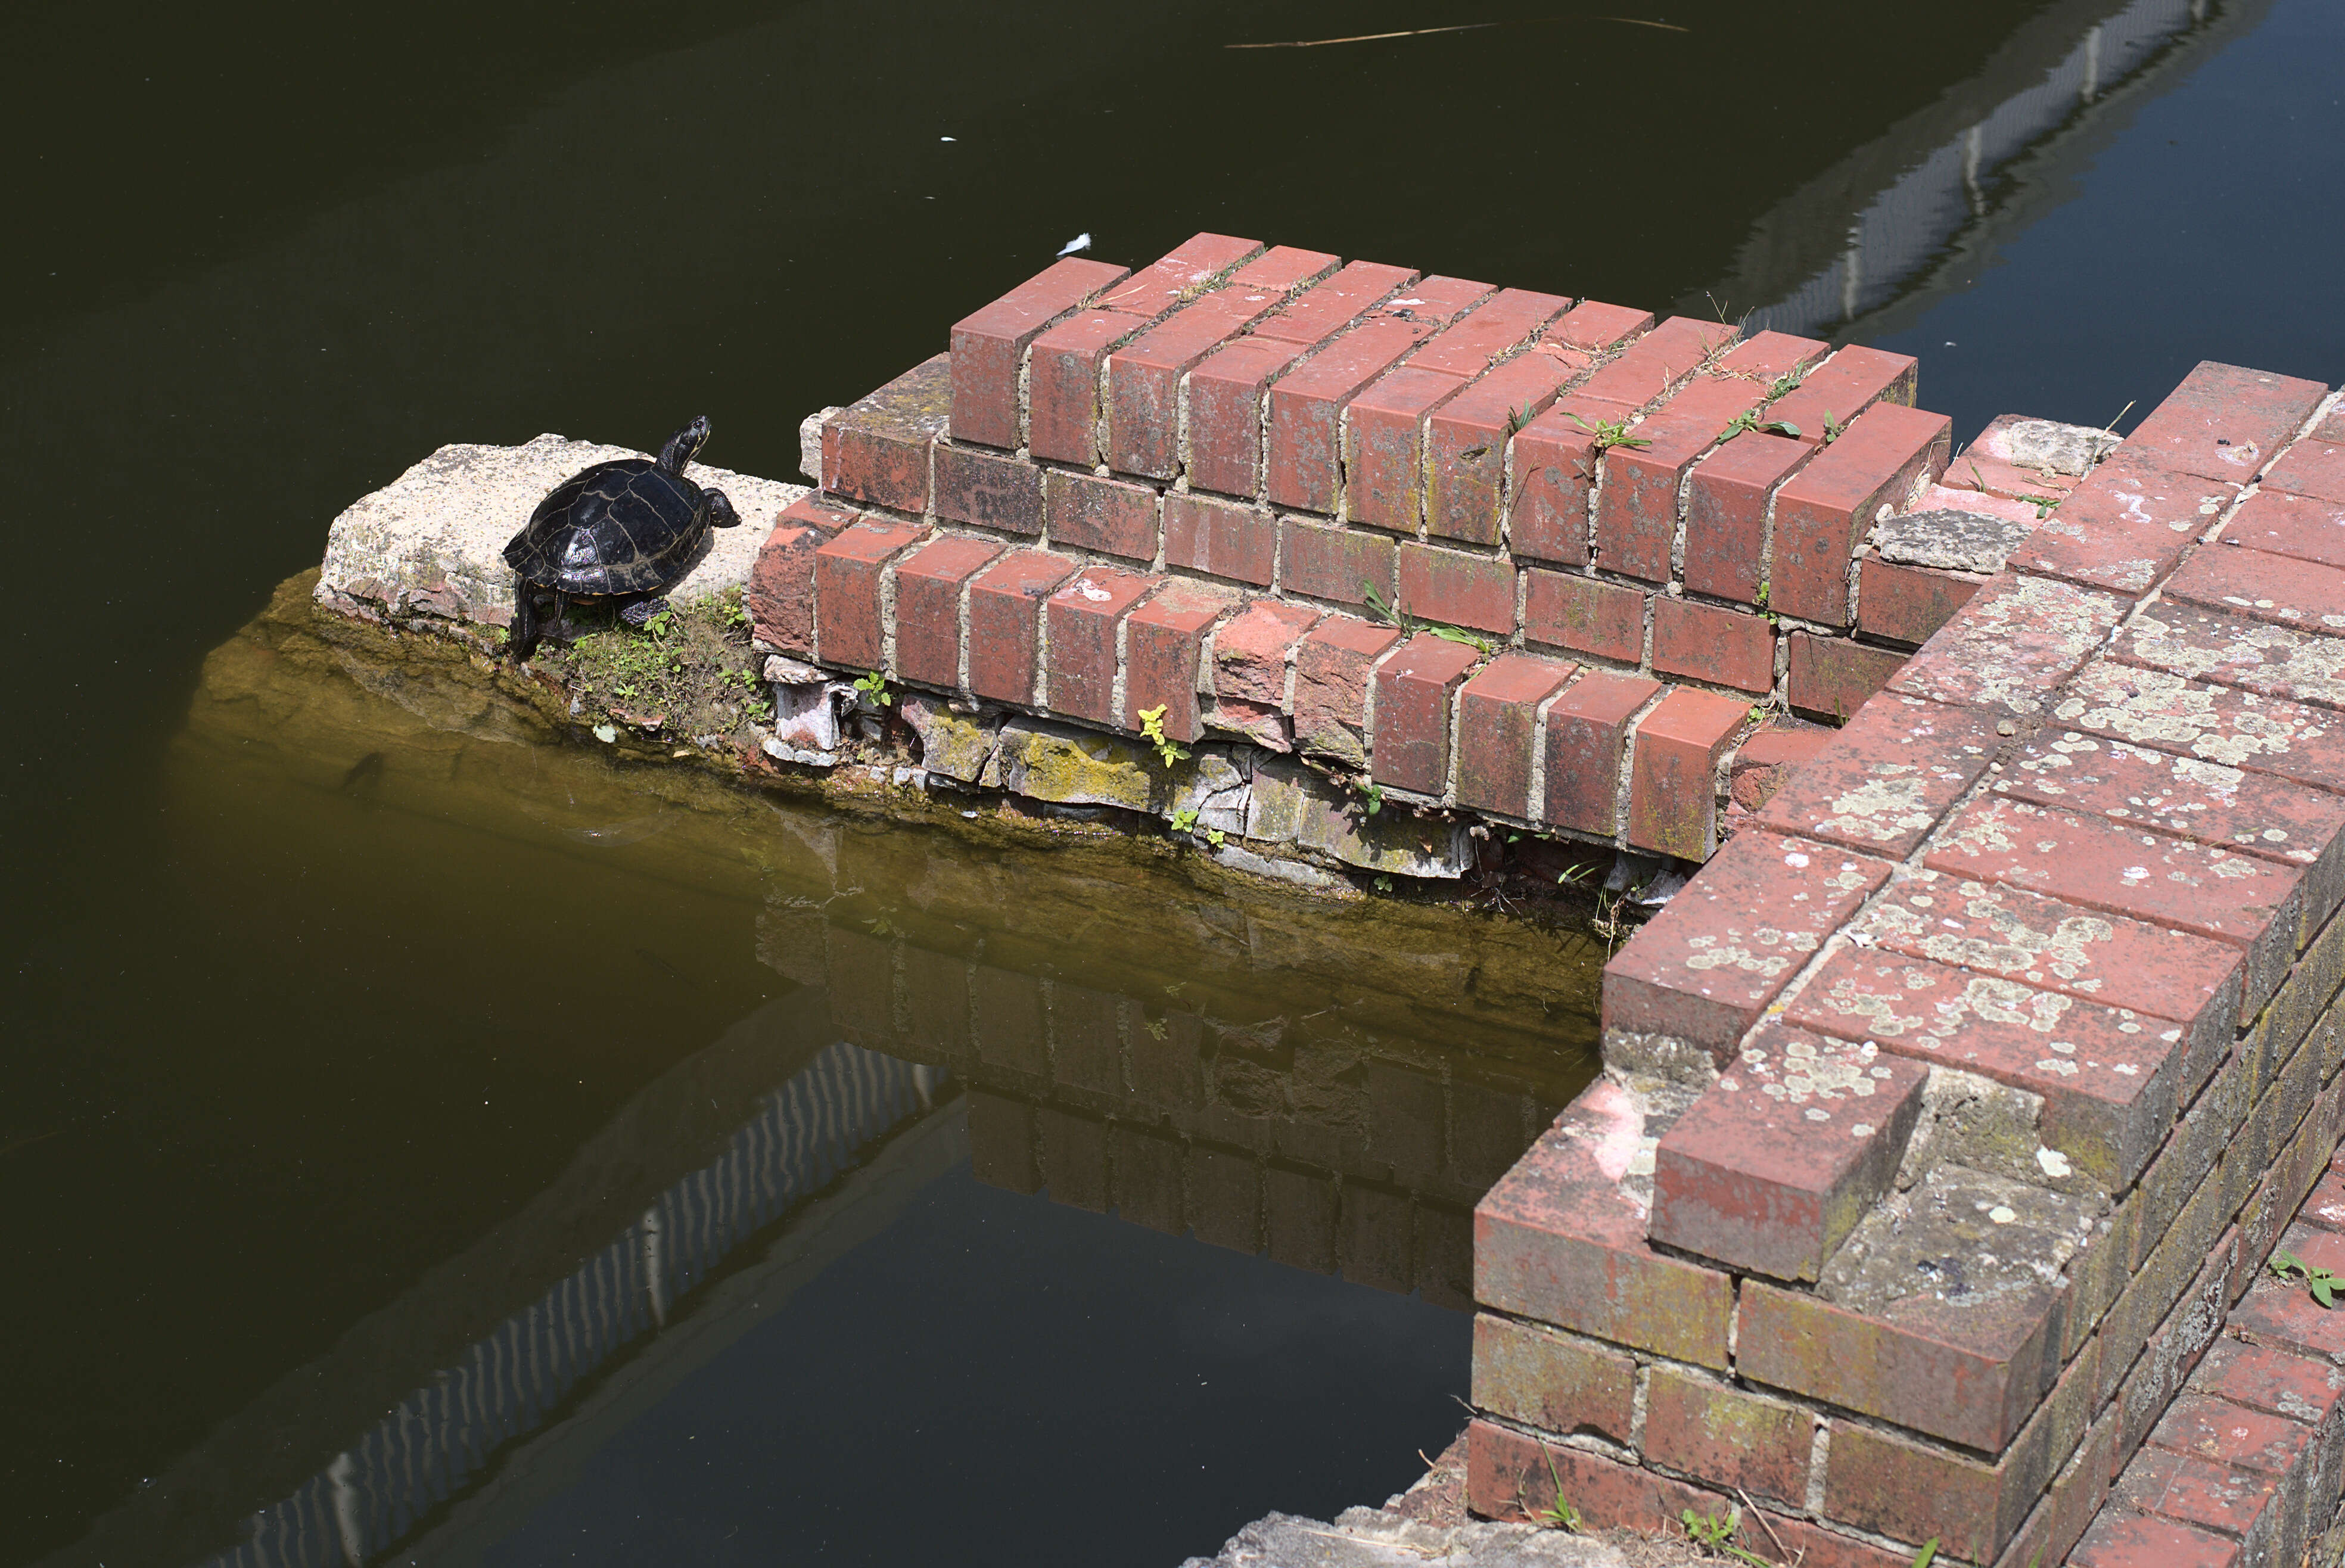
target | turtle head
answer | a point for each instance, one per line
(683, 446)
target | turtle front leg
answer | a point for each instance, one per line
(521, 640)
(641, 613)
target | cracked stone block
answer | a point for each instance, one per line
(1275, 807)
(2071, 450)
(1391, 841)
(805, 716)
(1949, 541)
(1216, 790)
(1078, 767)
(957, 745)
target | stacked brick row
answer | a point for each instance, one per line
(1199, 486)
(1953, 1105)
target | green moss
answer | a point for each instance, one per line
(690, 673)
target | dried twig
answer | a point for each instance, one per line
(1453, 27)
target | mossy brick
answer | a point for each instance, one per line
(2253, 904)
(1727, 499)
(877, 449)
(1637, 507)
(989, 346)
(1062, 376)
(1550, 475)
(929, 584)
(1584, 615)
(2225, 422)
(2294, 525)
(2216, 724)
(849, 626)
(2109, 1077)
(1907, 603)
(1415, 689)
(1254, 650)
(1658, 361)
(1673, 771)
(1741, 1443)
(1001, 1142)
(1711, 643)
(1465, 441)
(1555, 1381)
(1497, 725)
(1005, 608)
(1586, 745)
(2171, 1309)
(2153, 970)
(1844, 386)
(988, 489)
(1087, 1025)
(1457, 589)
(1085, 512)
(1701, 970)
(1510, 1473)
(1832, 677)
(1384, 445)
(2239, 1504)
(1164, 647)
(2124, 528)
(1771, 1167)
(2011, 646)
(1333, 666)
(1334, 562)
(1006, 1011)
(1226, 393)
(1824, 512)
(780, 595)
(2121, 1538)
(1073, 1156)
(1328, 306)
(1220, 538)
(1886, 778)
(1560, 1240)
(1081, 618)
(2259, 656)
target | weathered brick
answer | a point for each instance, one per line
(1673, 772)
(1505, 322)
(1743, 1442)
(1225, 1198)
(1225, 394)
(780, 593)
(1223, 538)
(1164, 649)
(1081, 618)
(1908, 604)
(1765, 761)
(1147, 1169)
(1195, 264)
(1253, 650)
(1824, 511)
(1832, 677)
(1773, 1165)
(1636, 509)
(1593, 326)
(2279, 1383)
(2263, 587)
(1508, 1474)
(1552, 469)
(1326, 308)
(1005, 607)
(1658, 361)
(1727, 499)
(2215, 1497)
(1710, 643)
(1703, 968)
(2121, 1538)
(988, 489)
(2294, 525)
(1062, 380)
(2270, 659)
(2124, 528)
(1332, 670)
(2009, 647)
(2313, 469)
(928, 585)
(1086, 513)
(1844, 386)
(1457, 589)
(1372, 1236)
(1553, 1382)
(1384, 445)
(877, 448)
(1888, 776)
(849, 627)
(1498, 721)
(2224, 421)
(1914, 1491)
(1414, 691)
(1769, 354)
(1334, 562)
(1299, 1217)
(1586, 745)
(1585, 615)
(989, 346)
(2218, 724)
(1465, 442)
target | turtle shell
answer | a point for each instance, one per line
(624, 526)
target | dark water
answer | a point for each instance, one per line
(320, 1068)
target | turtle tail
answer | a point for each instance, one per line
(521, 642)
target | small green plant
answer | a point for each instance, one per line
(1609, 433)
(1715, 1534)
(1155, 1026)
(2323, 1284)
(1392, 614)
(1374, 795)
(1929, 1554)
(1578, 877)
(1151, 727)
(1749, 420)
(874, 686)
(2041, 503)
(1217, 837)
(879, 924)
(1559, 1515)
(1833, 429)
(1788, 382)
(1185, 819)
(731, 611)
(1382, 884)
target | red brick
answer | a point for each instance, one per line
(1165, 648)
(2109, 1078)
(988, 489)
(1334, 562)
(1326, 308)
(2263, 587)
(1062, 383)
(2324, 1207)
(1557, 1239)
(877, 449)
(1709, 642)
(1222, 538)
(1005, 606)
(2124, 528)
(1508, 1474)
(1198, 263)
(780, 593)
(1585, 615)
(989, 346)
(1498, 721)
(2212, 1497)
(1726, 513)
(1887, 777)
(1332, 669)
(2280, 1383)
(1875, 1481)
(1741, 1443)
(2010, 647)
(2121, 1538)
(1457, 589)
(1843, 386)
(1772, 1167)
(1226, 414)
(1505, 322)
(849, 627)
(1593, 326)
(1976, 470)
(1414, 688)
(1545, 1380)
(1769, 354)
(1832, 677)
(1941, 496)
(1766, 761)
(1673, 772)
(2246, 903)
(2230, 1434)
(2224, 422)
(1908, 604)
(1702, 969)
(2314, 469)
(1081, 618)
(1384, 447)
(1252, 649)
(1552, 467)
(1586, 739)
(825, 517)
(1658, 361)
(1086, 513)
(2282, 1315)
(2296, 525)
(2268, 659)
(1825, 511)
(1636, 509)
(1466, 443)
(927, 607)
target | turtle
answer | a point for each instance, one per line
(624, 530)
